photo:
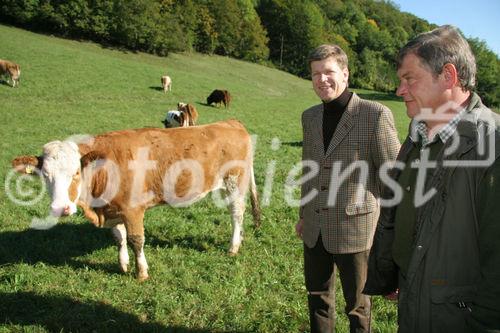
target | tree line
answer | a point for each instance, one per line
(277, 33)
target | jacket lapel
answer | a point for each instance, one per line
(317, 135)
(345, 125)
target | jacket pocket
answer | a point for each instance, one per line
(449, 309)
(452, 294)
(361, 208)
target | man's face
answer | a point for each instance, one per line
(328, 79)
(419, 87)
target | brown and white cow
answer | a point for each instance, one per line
(185, 115)
(116, 176)
(11, 70)
(166, 83)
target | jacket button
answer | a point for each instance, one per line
(419, 247)
(323, 188)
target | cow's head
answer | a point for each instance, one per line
(174, 118)
(61, 169)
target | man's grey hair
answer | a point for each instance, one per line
(326, 51)
(441, 46)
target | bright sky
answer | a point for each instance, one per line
(476, 19)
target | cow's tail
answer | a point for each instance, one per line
(254, 199)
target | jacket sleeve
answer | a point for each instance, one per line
(485, 314)
(305, 156)
(382, 277)
(386, 144)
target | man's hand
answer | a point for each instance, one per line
(298, 228)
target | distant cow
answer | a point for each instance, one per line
(114, 177)
(185, 115)
(166, 83)
(219, 96)
(11, 70)
(190, 111)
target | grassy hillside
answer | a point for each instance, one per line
(66, 278)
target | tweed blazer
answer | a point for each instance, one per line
(339, 197)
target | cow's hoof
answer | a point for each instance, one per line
(141, 277)
(233, 251)
(124, 268)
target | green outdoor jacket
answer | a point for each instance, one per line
(453, 279)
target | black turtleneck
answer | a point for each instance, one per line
(332, 112)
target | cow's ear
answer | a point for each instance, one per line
(27, 164)
(90, 157)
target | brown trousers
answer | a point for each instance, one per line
(320, 267)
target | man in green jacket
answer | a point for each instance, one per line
(438, 236)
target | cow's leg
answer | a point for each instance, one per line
(120, 234)
(134, 223)
(237, 209)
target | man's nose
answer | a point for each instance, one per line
(402, 90)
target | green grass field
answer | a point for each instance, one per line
(66, 279)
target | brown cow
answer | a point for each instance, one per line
(11, 70)
(116, 176)
(190, 111)
(219, 96)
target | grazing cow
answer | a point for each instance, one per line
(166, 83)
(11, 70)
(114, 177)
(219, 96)
(190, 110)
(185, 115)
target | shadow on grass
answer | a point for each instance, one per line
(157, 88)
(293, 143)
(59, 313)
(5, 83)
(57, 246)
(381, 96)
(196, 243)
(214, 106)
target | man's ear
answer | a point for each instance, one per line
(450, 75)
(27, 164)
(345, 71)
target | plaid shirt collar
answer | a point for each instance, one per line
(419, 130)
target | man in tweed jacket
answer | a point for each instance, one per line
(346, 142)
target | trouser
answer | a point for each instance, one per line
(320, 267)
